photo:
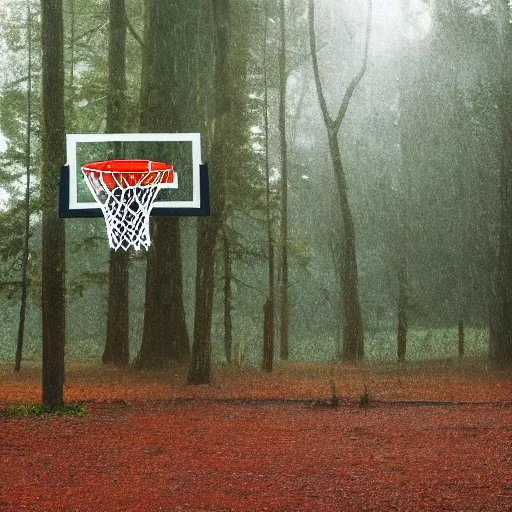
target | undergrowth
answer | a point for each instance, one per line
(364, 399)
(20, 410)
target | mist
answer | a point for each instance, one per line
(421, 145)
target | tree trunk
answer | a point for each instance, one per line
(461, 339)
(200, 363)
(407, 149)
(165, 331)
(268, 338)
(208, 227)
(24, 261)
(69, 85)
(283, 285)
(165, 337)
(353, 333)
(402, 310)
(268, 309)
(53, 234)
(117, 345)
(228, 323)
(500, 346)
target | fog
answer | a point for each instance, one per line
(421, 149)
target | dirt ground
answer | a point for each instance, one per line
(435, 437)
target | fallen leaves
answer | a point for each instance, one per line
(254, 442)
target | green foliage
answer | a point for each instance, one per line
(300, 250)
(11, 232)
(13, 86)
(12, 100)
(21, 410)
(88, 277)
(244, 168)
(14, 27)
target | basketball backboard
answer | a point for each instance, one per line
(181, 150)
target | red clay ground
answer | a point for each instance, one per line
(148, 442)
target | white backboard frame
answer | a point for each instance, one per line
(72, 139)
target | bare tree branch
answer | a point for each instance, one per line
(316, 72)
(334, 125)
(303, 58)
(132, 31)
(90, 31)
(355, 81)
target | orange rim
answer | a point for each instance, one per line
(129, 173)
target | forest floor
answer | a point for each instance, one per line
(434, 436)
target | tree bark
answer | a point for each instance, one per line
(500, 346)
(402, 310)
(208, 227)
(353, 333)
(268, 309)
(200, 363)
(28, 160)
(406, 149)
(53, 234)
(117, 345)
(461, 339)
(164, 327)
(228, 323)
(268, 338)
(165, 331)
(283, 285)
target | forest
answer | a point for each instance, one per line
(360, 158)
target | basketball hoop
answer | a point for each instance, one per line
(126, 191)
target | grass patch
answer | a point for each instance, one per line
(21, 410)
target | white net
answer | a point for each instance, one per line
(126, 207)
